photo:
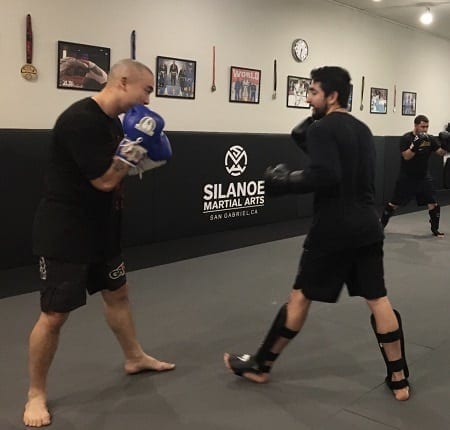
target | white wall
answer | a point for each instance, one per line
(246, 33)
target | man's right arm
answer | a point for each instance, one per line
(408, 146)
(129, 153)
(112, 177)
(408, 154)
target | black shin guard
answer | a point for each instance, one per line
(262, 361)
(396, 365)
(277, 330)
(388, 211)
(435, 215)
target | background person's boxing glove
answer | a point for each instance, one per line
(444, 140)
(416, 144)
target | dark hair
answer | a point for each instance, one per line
(420, 118)
(333, 78)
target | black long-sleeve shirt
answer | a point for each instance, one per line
(341, 174)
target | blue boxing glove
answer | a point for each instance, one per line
(131, 152)
(141, 122)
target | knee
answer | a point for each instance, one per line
(298, 300)
(53, 321)
(116, 297)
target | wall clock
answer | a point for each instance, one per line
(300, 50)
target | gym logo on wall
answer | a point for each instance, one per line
(234, 199)
(236, 160)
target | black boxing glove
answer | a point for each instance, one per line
(298, 133)
(280, 180)
(417, 142)
(444, 138)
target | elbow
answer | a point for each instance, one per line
(103, 186)
(107, 188)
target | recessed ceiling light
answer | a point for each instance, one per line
(427, 17)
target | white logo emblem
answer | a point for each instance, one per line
(118, 272)
(244, 357)
(42, 268)
(236, 160)
(147, 125)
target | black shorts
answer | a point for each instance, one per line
(64, 285)
(408, 188)
(321, 276)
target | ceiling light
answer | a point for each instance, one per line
(427, 17)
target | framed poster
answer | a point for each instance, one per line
(297, 92)
(82, 67)
(378, 100)
(245, 85)
(409, 100)
(175, 77)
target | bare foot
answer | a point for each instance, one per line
(261, 378)
(147, 363)
(36, 412)
(403, 393)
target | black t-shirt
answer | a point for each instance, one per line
(417, 167)
(341, 174)
(75, 222)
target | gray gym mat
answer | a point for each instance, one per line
(330, 377)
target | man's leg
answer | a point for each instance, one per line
(287, 324)
(42, 347)
(434, 211)
(118, 315)
(387, 323)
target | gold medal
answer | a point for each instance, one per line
(28, 71)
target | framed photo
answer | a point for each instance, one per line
(297, 92)
(409, 103)
(82, 67)
(245, 85)
(350, 99)
(378, 100)
(175, 78)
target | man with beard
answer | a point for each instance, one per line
(345, 242)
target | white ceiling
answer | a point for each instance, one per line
(407, 12)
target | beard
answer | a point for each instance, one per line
(318, 113)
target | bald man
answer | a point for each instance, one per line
(76, 231)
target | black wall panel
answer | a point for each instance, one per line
(24, 154)
(168, 203)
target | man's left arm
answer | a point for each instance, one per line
(324, 170)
